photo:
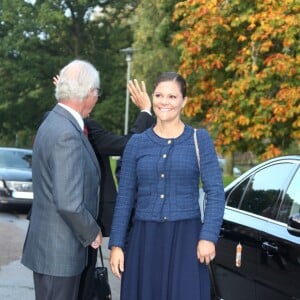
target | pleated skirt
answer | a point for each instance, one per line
(161, 262)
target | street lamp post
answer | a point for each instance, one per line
(128, 52)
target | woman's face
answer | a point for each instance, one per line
(168, 101)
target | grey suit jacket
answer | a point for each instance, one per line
(66, 179)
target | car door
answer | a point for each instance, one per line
(235, 283)
(279, 263)
(250, 206)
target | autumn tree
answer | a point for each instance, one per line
(242, 62)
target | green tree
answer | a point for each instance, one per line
(153, 31)
(242, 62)
(38, 39)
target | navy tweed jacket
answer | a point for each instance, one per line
(163, 176)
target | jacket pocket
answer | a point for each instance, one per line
(186, 200)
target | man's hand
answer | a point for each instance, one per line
(117, 261)
(206, 251)
(97, 242)
(55, 79)
(139, 95)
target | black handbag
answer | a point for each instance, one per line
(101, 290)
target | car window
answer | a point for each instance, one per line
(260, 193)
(291, 202)
(15, 159)
(237, 194)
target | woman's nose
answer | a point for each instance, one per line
(165, 100)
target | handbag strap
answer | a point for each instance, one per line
(197, 147)
(101, 256)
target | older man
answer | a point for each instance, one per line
(66, 179)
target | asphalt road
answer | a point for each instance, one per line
(16, 280)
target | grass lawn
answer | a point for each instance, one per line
(227, 179)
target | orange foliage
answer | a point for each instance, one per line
(244, 70)
(271, 151)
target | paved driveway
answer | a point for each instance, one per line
(16, 280)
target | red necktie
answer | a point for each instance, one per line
(85, 131)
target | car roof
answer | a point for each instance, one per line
(15, 149)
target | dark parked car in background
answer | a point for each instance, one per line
(15, 176)
(262, 214)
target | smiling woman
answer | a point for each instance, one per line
(161, 165)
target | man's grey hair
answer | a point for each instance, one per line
(76, 80)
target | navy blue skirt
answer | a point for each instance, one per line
(161, 262)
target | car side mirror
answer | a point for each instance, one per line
(294, 225)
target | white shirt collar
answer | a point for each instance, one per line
(74, 113)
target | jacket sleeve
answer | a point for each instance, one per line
(126, 195)
(104, 141)
(109, 143)
(143, 121)
(211, 178)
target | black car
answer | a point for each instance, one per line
(258, 253)
(15, 176)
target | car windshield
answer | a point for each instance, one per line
(15, 159)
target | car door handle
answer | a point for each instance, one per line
(271, 249)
